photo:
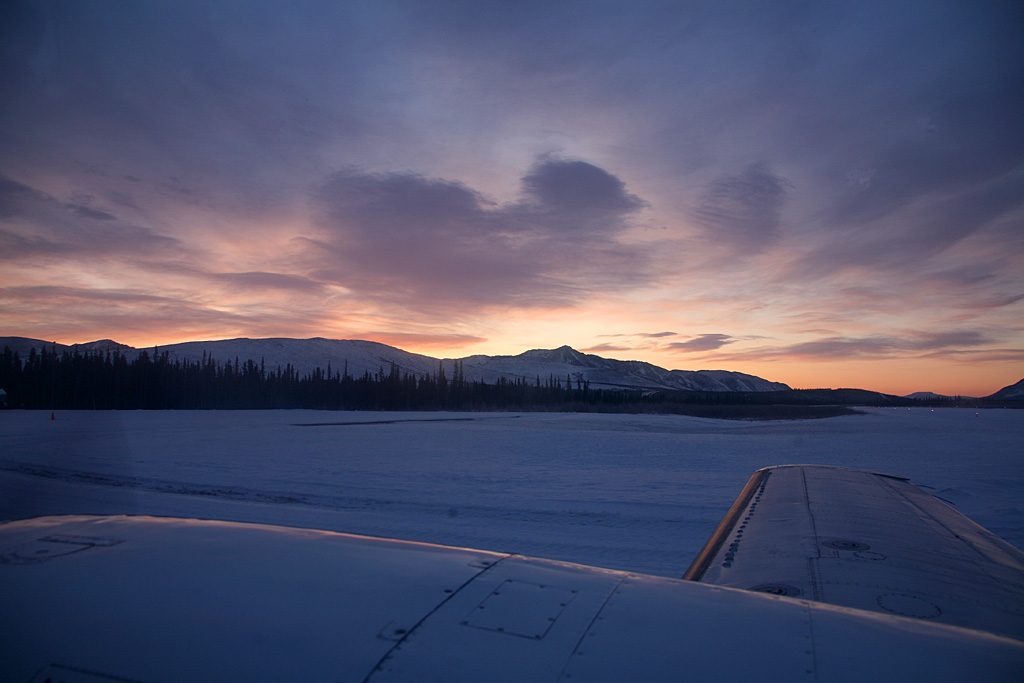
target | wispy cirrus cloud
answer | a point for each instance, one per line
(260, 280)
(137, 313)
(916, 344)
(642, 335)
(607, 347)
(36, 224)
(743, 210)
(653, 341)
(439, 340)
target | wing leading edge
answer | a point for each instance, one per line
(865, 540)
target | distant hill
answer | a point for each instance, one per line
(1014, 392)
(925, 395)
(359, 357)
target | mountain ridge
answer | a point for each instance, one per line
(1012, 392)
(357, 357)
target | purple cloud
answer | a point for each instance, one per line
(427, 242)
(606, 347)
(744, 210)
(704, 342)
(577, 187)
(930, 344)
(37, 224)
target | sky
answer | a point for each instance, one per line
(827, 194)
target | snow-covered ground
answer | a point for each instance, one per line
(634, 492)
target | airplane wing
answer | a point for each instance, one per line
(92, 599)
(865, 540)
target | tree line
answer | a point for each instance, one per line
(52, 379)
(72, 380)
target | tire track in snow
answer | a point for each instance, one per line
(396, 421)
(563, 516)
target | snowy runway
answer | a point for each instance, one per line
(634, 492)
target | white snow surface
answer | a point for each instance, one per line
(631, 492)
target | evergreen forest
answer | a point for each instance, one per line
(72, 380)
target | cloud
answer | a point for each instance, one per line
(41, 312)
(987, 356)
(34, 223)
(639, 341)
(62, 294)
(646, 335)
(428, 243)
(606, 347)
(216, 94)
(578, 188)
(946, 169)
(401, 339)
(704, 342)
(743, 210)
(272, 281)
(910, 236)
(927, 344)
(18, 199)
(89, 212)
(970, 142)
(230, 284)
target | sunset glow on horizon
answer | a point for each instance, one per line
(826, 195)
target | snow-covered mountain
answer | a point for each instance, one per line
(304, 355)
(358, 357)
(1014, 392)
(23, 346)
(609, 373)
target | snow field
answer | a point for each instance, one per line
(632, 492)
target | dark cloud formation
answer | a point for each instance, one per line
(424, 241)
(198, 90)
(132, 312)
(579, 190)
(969, 141)
(35, 224)
(744, 210)
(607, 348)
(17, 198)
(907, 236)
(89, 212)
(248, 282)
(20, 200)
(875, 346)
(704, 342)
